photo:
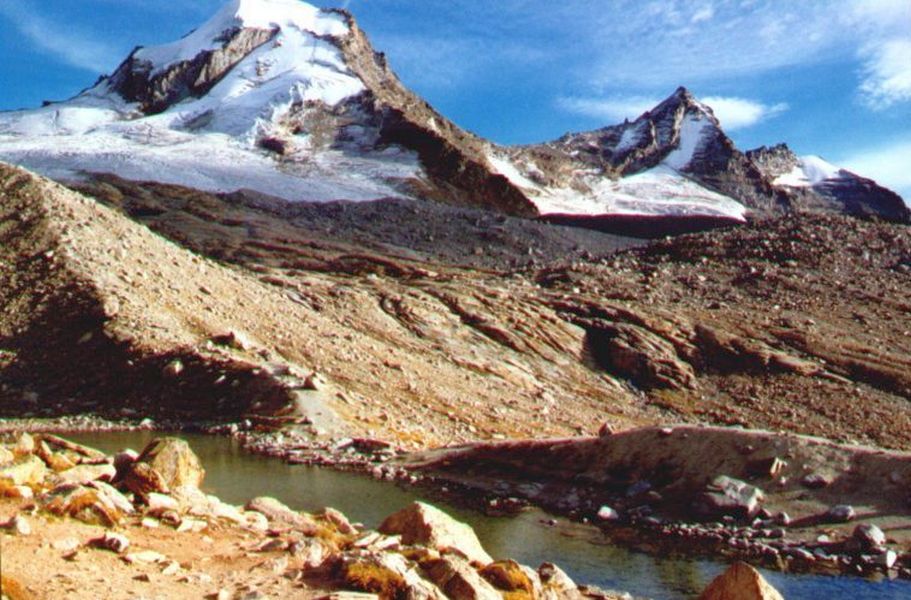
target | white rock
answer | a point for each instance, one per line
(18, 525)
(606, 513)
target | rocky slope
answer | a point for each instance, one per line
(245, 313)
(795, 323)
(279, 97)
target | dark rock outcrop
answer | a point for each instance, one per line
(155, 91)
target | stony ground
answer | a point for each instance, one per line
(798, 324)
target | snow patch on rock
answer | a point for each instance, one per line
(287, 15)
(657, 191)
(693, 131)
(811, 170)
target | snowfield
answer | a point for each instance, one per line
(661, 190)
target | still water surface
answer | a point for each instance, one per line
(236, 476)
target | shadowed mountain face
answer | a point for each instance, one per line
(282, 98)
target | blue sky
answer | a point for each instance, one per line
(829, 77)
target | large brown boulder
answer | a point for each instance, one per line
(740, 582)
(429, 526)
(165, 464)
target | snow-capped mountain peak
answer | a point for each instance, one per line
(276, 96)
(290, 100)
(271, 15)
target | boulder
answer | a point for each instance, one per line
(424, 524)
(341, 522)
(77, 452)
(24, 444)
(740, 582)
(887, 559)
(57, 461)
(387, 574)
(767, 467)
(29, 470)
(310, 553)
(726, 496)
(158, 503)
(111, 541)
(869, 537)
(123, 460)
(112, 496)
(84, 503)
(606, 513)
(174, 460)
(556, 584)
(173, 369)
(142, 480)
(840, 513)
(6, 456)
(87, 473)
(816, 481)
(279, 514)
(511, 577)
(20, 492)
(458, 579)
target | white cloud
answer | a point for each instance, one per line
(59, 40)
(611, 110)
(887, 73)
(704, 14)
(657, 44)
(888, 165)
(733, 113)
(739, 113)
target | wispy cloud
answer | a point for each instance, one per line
(882, 28)
(739, 113)
(887, 164)
(611, 109)
(887, 73)
(59, 40)
(733, 113)
(640, 46)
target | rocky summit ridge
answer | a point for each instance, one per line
(283, 98)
